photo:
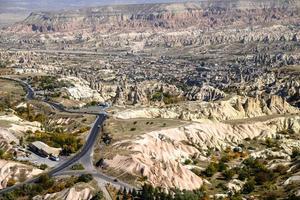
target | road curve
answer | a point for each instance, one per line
(94, 133)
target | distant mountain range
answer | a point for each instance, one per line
(12, 11)
(204, 14)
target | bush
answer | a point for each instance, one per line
(222, 166)
(271, 143)
(243, 174)
(211, 169)
(85, 178)
(97, 196)
(248, 187)
(187, 162)
(45, 181)
(11, 182)
(225, 158)
(77, 167)
(263, 176)
(133, 129)
(43, 166)
(228, 174)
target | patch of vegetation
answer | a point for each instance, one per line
(68, 142)
(98, 196)
(43, 166)
(28, 113)
(92, 103)
(77, 166)
(85, 178)
(45, 185)
(248, 187)
(148, 192)
(214, 167)
(167, 98)
(11, 94)
(49, 83)
(271, 143)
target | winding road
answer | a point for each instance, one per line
(84, 154)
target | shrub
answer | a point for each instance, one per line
(248, 187)
(187, 162)
(85, 178)
(225, 158)
(243, 173)
(97, 196)
(45, 181)
(43, 166)
(222, 166)
(263, 176)
(133, 129)
(77, 167)
(228, 174)
(211, 169)
(11, 182)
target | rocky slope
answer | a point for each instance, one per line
(204, 14)
(12, 172)
(79, 191)
(159, 155)
(233, 108)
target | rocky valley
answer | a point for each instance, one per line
(191, 100)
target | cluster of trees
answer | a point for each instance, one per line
(68, 142)
(167, 98)
(256, 173)
(148, 192)
(27, 113)
(50, 83)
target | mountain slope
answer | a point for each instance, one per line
(202, 14)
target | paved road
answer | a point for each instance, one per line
(84, 154)
(103, 178)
